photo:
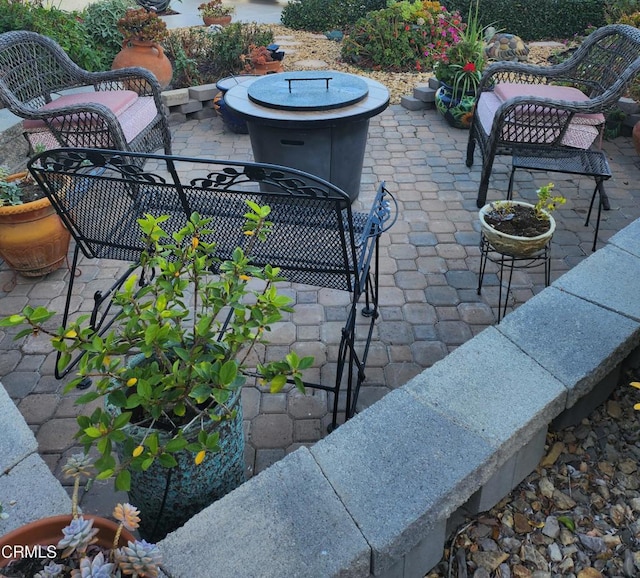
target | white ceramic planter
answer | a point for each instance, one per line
(511, 244)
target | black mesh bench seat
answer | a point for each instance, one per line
(316, 238)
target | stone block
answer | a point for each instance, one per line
(412, 103)
(287, 521)
(628, 239)
(424, 93)
(628, 106)
(191, 106)
(434, 83)
(412, 486)
(427, 553)
(175, 97)
(203, 92)
(493, 389)
(16, 438)
(574, 339)
(592, 280)
(176, 118)
(29, 492)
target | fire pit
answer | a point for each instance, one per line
(315, 121)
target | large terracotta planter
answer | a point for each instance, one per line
(149, 55)
(48, 532)
(33, 240)
(635, 135)
(217, 20)
(268, 67)
(514, 245)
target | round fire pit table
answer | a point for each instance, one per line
(312, 120)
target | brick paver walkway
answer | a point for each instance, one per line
(429, 276)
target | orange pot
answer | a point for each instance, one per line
(220, 20)
(149, 55)
(48, 532)
(33, 240)
(269, 67)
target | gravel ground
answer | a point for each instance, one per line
(575, 516)
(303, 49)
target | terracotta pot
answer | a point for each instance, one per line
(33, 239)
(635, 135)
(219, 20)
(268, 67)
(48, 532)
(149, 55)
(514, 245)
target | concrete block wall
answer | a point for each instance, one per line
(28, 489)
(378, 496)
(190, 103)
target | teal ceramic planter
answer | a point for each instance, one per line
(169, 497)
(457, 110)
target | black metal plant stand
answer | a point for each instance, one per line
(489, 253)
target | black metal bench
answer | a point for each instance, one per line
(316, 238)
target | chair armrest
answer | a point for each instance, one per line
(382, 215)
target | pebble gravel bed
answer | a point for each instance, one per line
(575, 516)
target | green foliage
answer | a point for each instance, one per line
(203, 57)
(615, 10)
(544, 19)
(547, 202)
(192, 358)
(324, 15)
(64, 27)
(100, 21)
(406, 36)
(9, 190)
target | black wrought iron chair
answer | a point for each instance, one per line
(522, 107)
(64, 105)
(316, 238)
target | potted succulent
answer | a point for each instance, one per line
(459, 70)
(520, 229)
(142, 32)
(215, 12)
(175, 404)
(79, 545)
(263, 59)
(33, 240)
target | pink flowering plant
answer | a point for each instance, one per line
(461, 64)
(404, 37)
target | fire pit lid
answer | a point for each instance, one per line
(308, 90)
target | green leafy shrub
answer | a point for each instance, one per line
(64, 27)
(100, 20)
(322, 15)
(203, 57)
(406, 36)
(540, 20)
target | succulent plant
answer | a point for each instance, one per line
(51, 570)
(97, 567)
(139, 558)
(78, 465)
(128, 516)
(78, 535)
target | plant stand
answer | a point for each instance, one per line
(589, 163)
(489, 253)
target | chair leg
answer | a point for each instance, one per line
(603, 202)
(471, 148)
(487, 167)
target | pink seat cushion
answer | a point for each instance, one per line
(507, 90)
(115, 100)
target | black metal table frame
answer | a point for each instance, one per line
(588, 163)
(489, 253)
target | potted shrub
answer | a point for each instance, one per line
(459, 71)
(80, 545)
(263, 59)
(33, 240)
(142, 32)
(520, 229)
(215, 12)
(171, 368)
